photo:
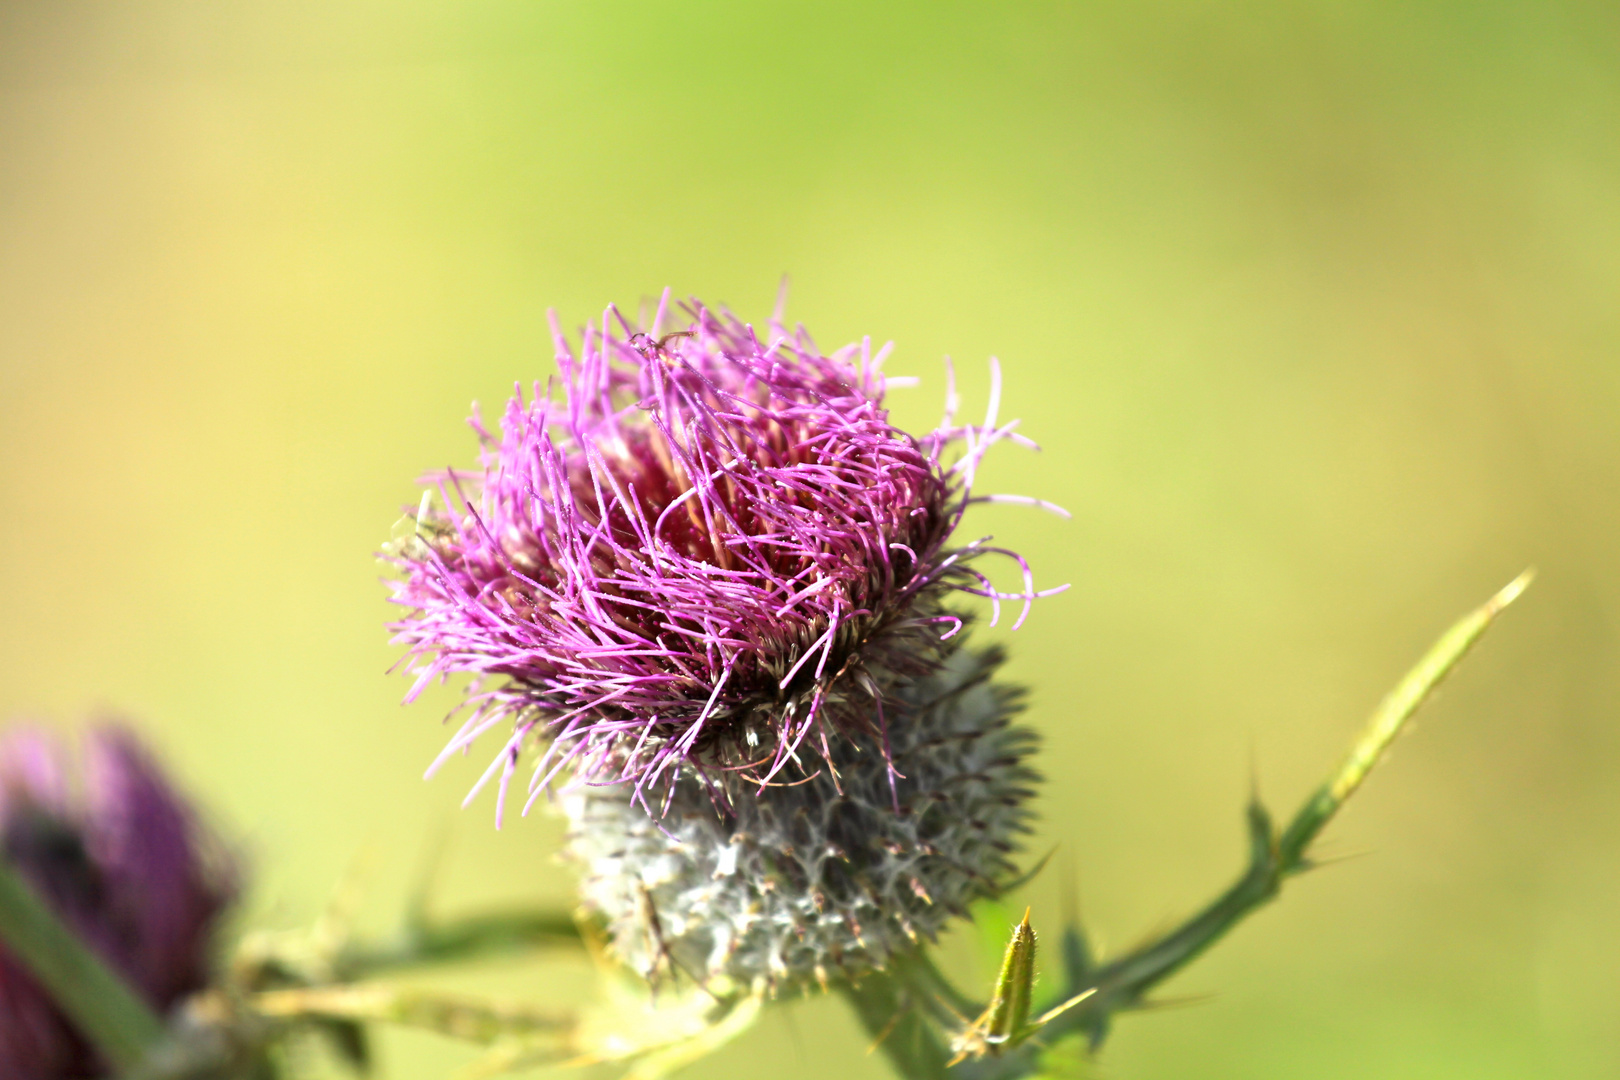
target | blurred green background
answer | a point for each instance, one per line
(1313, 307)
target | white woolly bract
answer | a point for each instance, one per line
(818, 880)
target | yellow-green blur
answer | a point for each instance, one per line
(1315, 309)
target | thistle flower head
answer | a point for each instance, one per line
(123, 861)
(705, 548)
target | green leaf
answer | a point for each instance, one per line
(100, 1003)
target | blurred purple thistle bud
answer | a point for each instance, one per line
(124, 863)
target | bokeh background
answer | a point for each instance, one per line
(1313, 307)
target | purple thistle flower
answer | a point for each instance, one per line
(124, 863)
(713, 550)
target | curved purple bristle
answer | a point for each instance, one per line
(689, 556)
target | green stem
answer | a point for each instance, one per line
(454, 1015)
(896, 1006)
(1272, 857)
(98, 1001)
(459, 940)
(1124, 983)
(1388, 720)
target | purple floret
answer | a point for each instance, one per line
(124, 864)
(711, 549)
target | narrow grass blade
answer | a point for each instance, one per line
(97, 999)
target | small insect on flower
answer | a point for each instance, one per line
(1006, 1023)
(650, 348)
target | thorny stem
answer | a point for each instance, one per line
(896, 1005)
